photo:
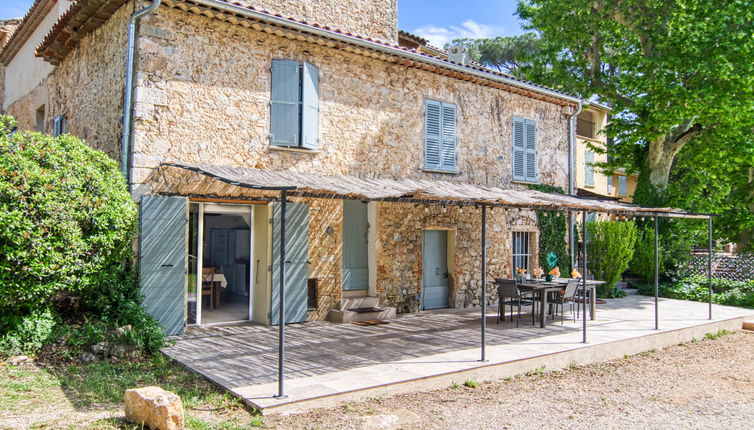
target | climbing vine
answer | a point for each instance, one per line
(553, 233)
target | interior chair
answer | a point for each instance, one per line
(508, 294)
(208, 286)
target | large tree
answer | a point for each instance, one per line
(679, 75)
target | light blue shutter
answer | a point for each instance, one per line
(296, 266)
(58, 126)
(519, 150)
(531, 150)
(162, 259)
(622, 186)
(285, 103)
(588, 168)
(610, 185)
(432, 126)
(449, 120)
(310, 106)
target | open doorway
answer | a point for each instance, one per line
(220, 243)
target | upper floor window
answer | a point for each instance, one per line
(524, 150)
(440, 123)
(589, 169)
(622, 186)
(59, 126)
(294, 105)
(585, 125)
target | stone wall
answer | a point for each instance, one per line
(86, 88)
(325, 239)
(375, 19)
(400, 230)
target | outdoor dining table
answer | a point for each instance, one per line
(543, 288)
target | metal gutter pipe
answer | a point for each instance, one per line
(125, 147)
(282, 22)
(571, 180)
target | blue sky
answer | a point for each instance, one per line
(439, 21)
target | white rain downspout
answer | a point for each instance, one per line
(125, 151)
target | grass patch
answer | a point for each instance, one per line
(455, 385)
(539, 371)
(471, 383)
(720, 333)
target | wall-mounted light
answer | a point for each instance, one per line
(329, 230)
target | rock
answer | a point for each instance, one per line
(18, 360)
(154, 407)
(86, 357)
(122, 330)
(101, 348)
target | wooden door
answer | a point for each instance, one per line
(436, 290)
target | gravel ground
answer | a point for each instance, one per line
(707, 384)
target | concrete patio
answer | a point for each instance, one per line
(328, 363)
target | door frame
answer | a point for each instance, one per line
(450, 252)
(200, 259)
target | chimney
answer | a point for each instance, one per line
(459, 54)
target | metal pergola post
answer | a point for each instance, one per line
(484, 280)
(709, 264)
(583, 275)
(281, 322)
(657, 271)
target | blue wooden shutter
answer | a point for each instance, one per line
(519, 150)
(609, 185)
(432, 126)
(622, 186)
(449, 121)
(59, 126)
(531, 150)
(588, 168)
(310, 107)
(296, 267)
(285, 103)
(162, 259)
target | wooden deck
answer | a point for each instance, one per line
(328, 363)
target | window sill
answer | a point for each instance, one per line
(526, 182)
(292, 149)
(446, 172)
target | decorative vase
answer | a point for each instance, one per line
(548, 278)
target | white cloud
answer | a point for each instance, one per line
(439, 36)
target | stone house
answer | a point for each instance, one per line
(329, 89)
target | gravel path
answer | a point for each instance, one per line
(699, 385)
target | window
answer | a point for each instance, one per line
(294, 105)
(622, 186)
(591, 217)
(521, 252)
(440, 136)
(40, 119)
(589, 168)
(610, 185)
(585, 125)
(524, 150)
(59, 126)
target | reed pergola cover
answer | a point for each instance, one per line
(177, 177)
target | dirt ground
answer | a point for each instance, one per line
(708, 384)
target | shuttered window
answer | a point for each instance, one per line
(521, 253)
(622, 186)
(59, 126)
(588, 168)
(294, 105)
(440, 124)
(524, 150)
(610, 185)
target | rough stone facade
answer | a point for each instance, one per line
(86, 88)
(374, 19)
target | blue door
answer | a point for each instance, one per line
(355, 230)
(296, 264)
(435, 291)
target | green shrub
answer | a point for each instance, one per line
(553, 233)
(695, 288)
(611, 247)
(643, 262)
(65, 246)
(67, 217)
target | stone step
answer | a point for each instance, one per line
(343, 316)
(748, 325)
(358, 302)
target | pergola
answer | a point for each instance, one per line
(279, 186)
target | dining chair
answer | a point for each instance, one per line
(568, 296)
(208, 285)
(507, 289)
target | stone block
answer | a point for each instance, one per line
(154, 407)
